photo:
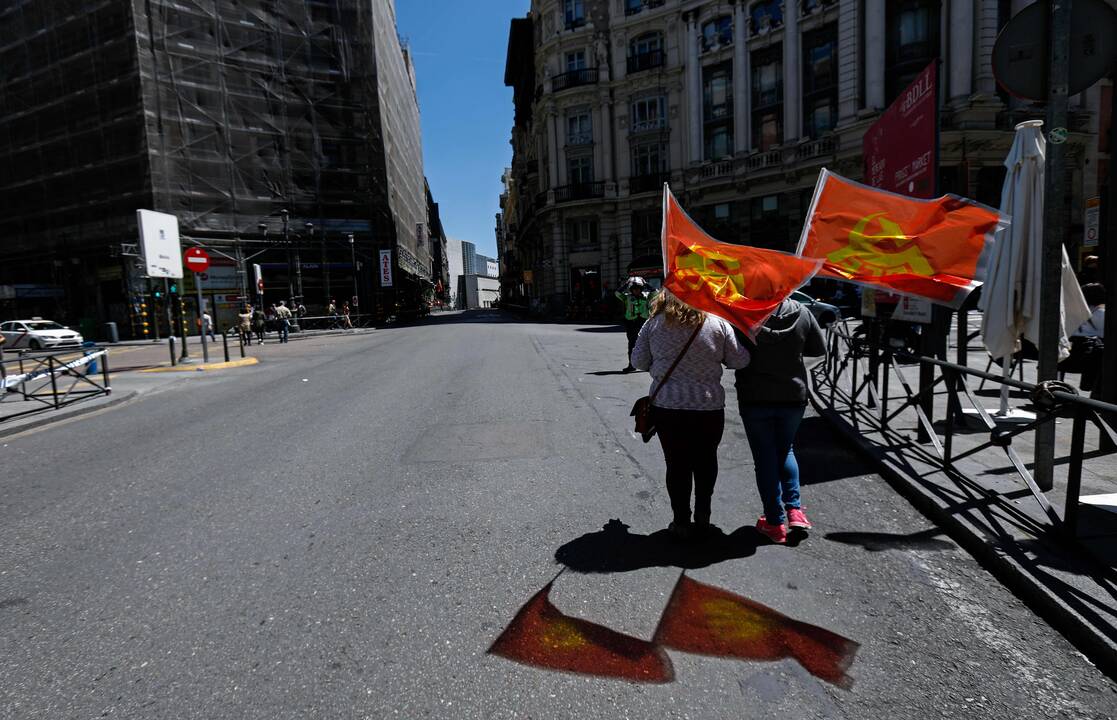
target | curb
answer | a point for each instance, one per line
(243, 362)
(1090, 642)
(48, 419)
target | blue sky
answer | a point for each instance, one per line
(466, 111)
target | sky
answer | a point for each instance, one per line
(465, 109)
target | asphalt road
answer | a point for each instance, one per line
(343, 530)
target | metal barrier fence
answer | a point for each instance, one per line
(38, 382)
(857, 381)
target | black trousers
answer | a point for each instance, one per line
(690, 440)
(632, 330)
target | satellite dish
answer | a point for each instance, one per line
(1020, 55)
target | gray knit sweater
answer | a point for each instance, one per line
(696, 382)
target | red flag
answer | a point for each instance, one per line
(706, 620)
(542, 636)
(741, 284)
(927, 248)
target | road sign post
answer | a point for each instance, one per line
(197, 259)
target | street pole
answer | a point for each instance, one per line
(1108, 390)
(170, 318)
(287, 244)
(201, 317)
(1054, 225)
(353, 259)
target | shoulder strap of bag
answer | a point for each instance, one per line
(677, 359)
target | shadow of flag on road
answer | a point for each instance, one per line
(707, 620)
(542, 636)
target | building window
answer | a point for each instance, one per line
(645, 52)
(648, 114)
(717, 92)
(576, 60)
(767, 98)
(718, 221)
(820, 81)
(717, 33)
(913, 42)
(717, 96)
(769, 224)
(575, 13)
(649, 159)
(646, 229)
(581, 233)
(579, 170)
(579, 129)
(765, 16)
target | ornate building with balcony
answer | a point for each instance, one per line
(737, 104)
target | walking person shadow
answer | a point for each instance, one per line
(614, 549)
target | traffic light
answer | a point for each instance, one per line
(174, 288)
(158, 293)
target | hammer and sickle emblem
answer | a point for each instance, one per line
(863, 256)
(721, 272)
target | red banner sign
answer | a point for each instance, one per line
(899, 148)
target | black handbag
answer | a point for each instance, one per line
(642, 408)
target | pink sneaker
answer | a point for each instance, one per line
(775, 533)
(796, 518)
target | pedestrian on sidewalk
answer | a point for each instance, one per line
(635, 298)
(772, 396)
(283, 320)
(331, 310)
(207, 326)
(260, 325)
(244, 324)
(345, 321)
(689, 410)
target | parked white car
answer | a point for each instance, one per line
(38, 334)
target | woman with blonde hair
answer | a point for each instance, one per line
(689, 408)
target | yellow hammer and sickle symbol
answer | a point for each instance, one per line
(864, 257)
(721, 272)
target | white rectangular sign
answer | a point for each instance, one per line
(385, 268)
(1093, 222)
(159, 244)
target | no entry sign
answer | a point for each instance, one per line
(196, 259)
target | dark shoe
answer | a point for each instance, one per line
(681, 530)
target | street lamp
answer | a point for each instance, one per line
(353, 257)
(287, 244)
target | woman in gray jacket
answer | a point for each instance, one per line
(689, 410)
(772, 396)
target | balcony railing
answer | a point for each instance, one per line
(723, 168)
(760, 161)
(646, 60)
(817, 148)
(580, 138)
(574, 78)
(718, 112)
(639, 126)
(647, 183)
(580, 191)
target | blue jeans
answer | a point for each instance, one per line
(284, 328)
(771, 431)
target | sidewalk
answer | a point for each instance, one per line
(982, 500)
(133, 355)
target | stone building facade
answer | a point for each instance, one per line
(737, 105)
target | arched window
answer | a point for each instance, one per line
(717, 33)
(645, 52)
(765, 16)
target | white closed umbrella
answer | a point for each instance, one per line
(1010, 296)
